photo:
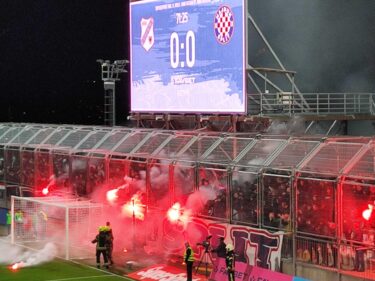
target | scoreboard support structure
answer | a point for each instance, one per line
(215, 122)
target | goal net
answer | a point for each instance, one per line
(71, 224)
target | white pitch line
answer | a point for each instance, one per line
(85, 277)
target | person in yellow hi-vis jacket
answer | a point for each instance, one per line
(189, 260)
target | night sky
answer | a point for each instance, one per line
(49, 48)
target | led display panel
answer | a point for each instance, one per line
(188, 56)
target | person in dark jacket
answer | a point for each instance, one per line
(110, 242)
(220, 250)
(101, 241)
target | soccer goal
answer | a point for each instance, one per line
(69, 223)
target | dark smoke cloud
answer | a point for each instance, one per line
(329, 43)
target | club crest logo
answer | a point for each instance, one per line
(224, 24)
(147, 33)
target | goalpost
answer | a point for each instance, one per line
(69, 223)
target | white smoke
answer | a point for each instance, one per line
(15, 254)
(295, 126)
(199, 198)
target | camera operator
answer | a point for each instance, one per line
(220, 250)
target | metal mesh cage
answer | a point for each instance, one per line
(152, 143)
(260, 152)
(365, 165)
(332, 158)
(10, 134)
(293, 153)
(198, 148)
(228, 149)
(112, 139)
(74, 138)
(56, 136)
(128, 144)
(92, 140)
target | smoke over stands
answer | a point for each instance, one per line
(329, 43)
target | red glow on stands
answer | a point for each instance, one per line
(366, 214)
(174, 212)
(112, 196)
(134, 207)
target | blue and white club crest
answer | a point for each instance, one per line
(147, 33)
(224, 24)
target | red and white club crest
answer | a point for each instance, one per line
(147, 33)
(224, 24)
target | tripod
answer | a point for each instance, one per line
(206, 257)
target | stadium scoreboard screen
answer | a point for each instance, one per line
(188, 56)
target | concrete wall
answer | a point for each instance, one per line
(361, 128)
(319, 274)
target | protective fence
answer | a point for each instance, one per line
(320, 192)
(70, 224)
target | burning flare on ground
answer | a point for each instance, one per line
(112, 194)
(16, 266)
(134, 208)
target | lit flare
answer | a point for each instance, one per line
(16, 266)
(134, 207)
(366, 214)
(112, 195)
(45, 191)
(174, 213)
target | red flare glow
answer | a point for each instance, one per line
(16, 266)
(366, 214)
(134, 207)
(112, 195)
(174, 212)
(45, 191)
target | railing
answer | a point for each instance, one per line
(288, 103)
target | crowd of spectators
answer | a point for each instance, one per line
(61, 171)
(276, 202)
(158, 195)
(42, 169)
(214, 188)
(183, 182)
(1, 167)
(316, 207)
(96, 174)
(245, 199)
(356, 199)
(12, 166)
(28, 168)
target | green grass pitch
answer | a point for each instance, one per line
(57, 270)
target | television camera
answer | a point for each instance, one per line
(206, 257)
(206, 243)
